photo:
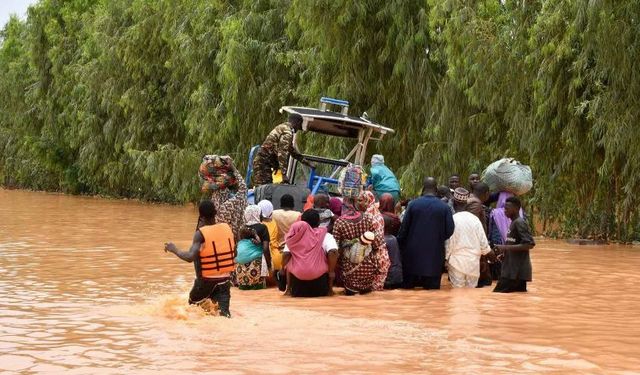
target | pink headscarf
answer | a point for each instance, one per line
(308, 258)
(335, 205)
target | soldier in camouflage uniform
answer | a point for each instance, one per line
(275, 150)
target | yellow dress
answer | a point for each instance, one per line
(276, 254)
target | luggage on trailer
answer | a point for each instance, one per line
(273, 193)
(350, 183)
(508, 175)
(216, 173)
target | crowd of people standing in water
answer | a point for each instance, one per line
(361, 243)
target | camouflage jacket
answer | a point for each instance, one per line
(279, 142)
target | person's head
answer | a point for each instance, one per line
(474, 178)
(266, 209)
(252, 214)
(365, 200)
(311, 217)
(321, 201)
(335, 204)
(454, 181)
(295, 120)
(512, 207)
(377, 159)
(286, 202)
(207, 211)
(481, 191)
(247, 233)
(429, 186)
(387, 203)
(367, 238)
(444, 192)
(460, 197)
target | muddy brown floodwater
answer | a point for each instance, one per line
(85, 288)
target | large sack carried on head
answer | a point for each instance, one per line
(273, 193)
(350, 181)
(216, 173)
(508, 175)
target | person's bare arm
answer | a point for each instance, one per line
(286, 257)
(266, 250)
(518, 247)
(191, 254)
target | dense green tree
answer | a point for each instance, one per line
(122, 97)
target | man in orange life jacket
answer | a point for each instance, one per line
(212, 251)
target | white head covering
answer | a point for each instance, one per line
(266, 207)
(377, 159)
(252, 214)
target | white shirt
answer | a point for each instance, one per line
(329, 243)
(467, 244)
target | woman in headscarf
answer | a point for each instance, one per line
(367, 204)
(335, 205)
(364, 276)
(252, 274)
(387, 209)
(230, 204)
(310, 257)
(266, 209)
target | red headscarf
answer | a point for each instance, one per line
(387, 203)
(388, 210)
(335, 204)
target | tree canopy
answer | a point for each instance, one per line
(123, 97)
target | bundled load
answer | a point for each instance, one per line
(508, 175)
(217, 173)
(360, 248)
(350, 181)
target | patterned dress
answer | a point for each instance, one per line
(383, 263)
(230, 205)
(358, 277)
(248, 275)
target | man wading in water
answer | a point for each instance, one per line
(516, 265)
(212, 252)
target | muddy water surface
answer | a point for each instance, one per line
(86, 288)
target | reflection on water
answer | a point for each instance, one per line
(86, 288)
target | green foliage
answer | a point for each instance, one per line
(123, 97)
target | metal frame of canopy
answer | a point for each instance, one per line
(335, 124)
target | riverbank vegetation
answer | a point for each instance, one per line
(123, 97)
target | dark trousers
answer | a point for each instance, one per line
(426, 282)
(509, 286)
(496, 270)
(218, 290)
(485, 273)
(309, 288)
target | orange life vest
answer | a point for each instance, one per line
(217, 251)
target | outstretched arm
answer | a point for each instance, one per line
(518, 247)
(191, 254)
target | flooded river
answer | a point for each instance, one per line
(86, 288)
